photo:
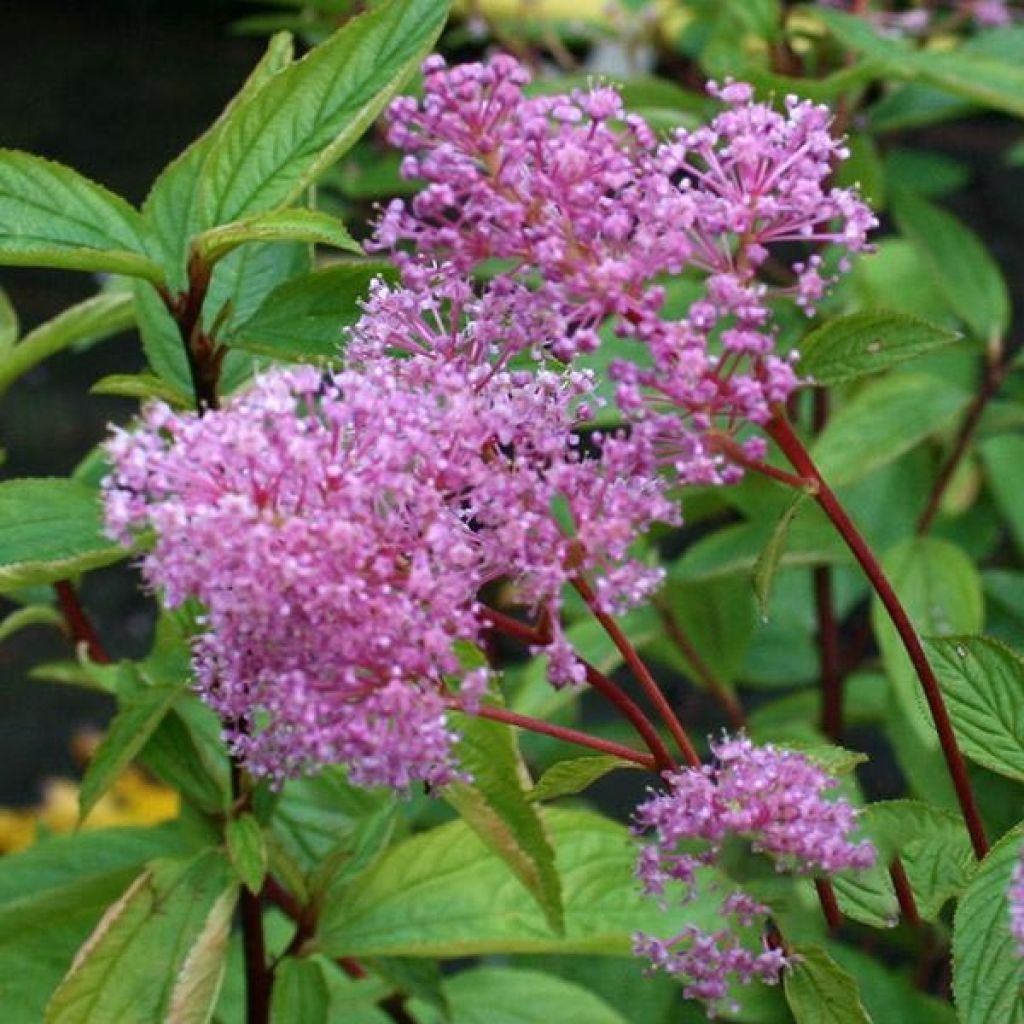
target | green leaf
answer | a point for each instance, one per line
(863, 169)
(52, 216)
(30, 615)
(924, 171)
(171, 209)
(819, 991)
(890, 997)
(988, 975)
(51, 897)
(864, 343)
(734, 550)
(496, 806)
(443, 893)
(165, 940)
(940, 589)
(293, 225)
(1003, 457)
(769, 559)
(566, 778)
(304, 318)
(300, 993)
(983, 681)
(991, 82)
(247, 851)
(959, 263)
(186, 752)
(315, 817)
(50, 529)
(885, 419)
(278, 140)
(99, 317)
(142, 386)
(505, 995)
(135, 722)
(10, 329)
(936, 853)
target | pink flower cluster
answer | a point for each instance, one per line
(1015, 896)
(586, 211)
(782, 804)
(336, 529)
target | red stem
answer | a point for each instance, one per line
(79, 626)
(538, 636)
(783, 434)
(718, 690)
(995, 373)
(559, 732)
(904, 893)
(632, 711)
(259, 977)
(641, 673)
(829, 903)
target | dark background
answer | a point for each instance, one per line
(115, 89)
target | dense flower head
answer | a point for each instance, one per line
(337, 527)
(779, 801)
(1015, 896)
(585, 212)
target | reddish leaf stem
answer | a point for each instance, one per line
(259, 976)
(560, 732)
(719, 691)
(641, 673)
(79, 626)
(627, 707)
(829, 903)
(904, 893)
(783, 434)
(995, 373)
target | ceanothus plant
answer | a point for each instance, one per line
(423, 520)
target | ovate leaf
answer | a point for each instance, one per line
(940, 590)
(934, 848)
(504, 995)
(864, 343)
(300, 993)
(9, 326)
(50, 529)
(969, 277)
(885, 419)
(135, 722)
(247, 850)
(770, 558)
(496, 806)
(1003, 457)
(569, 777)
(96, 318)
(149, 940)
(304, 319)
(171, 209)
(819, 991)
(52, 216)
(294, 225)
(276, 142)
(444, 893)
(30, 615)
(988, 975)
(983, 683)
(51, 897)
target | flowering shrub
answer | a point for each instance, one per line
(436, 526)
